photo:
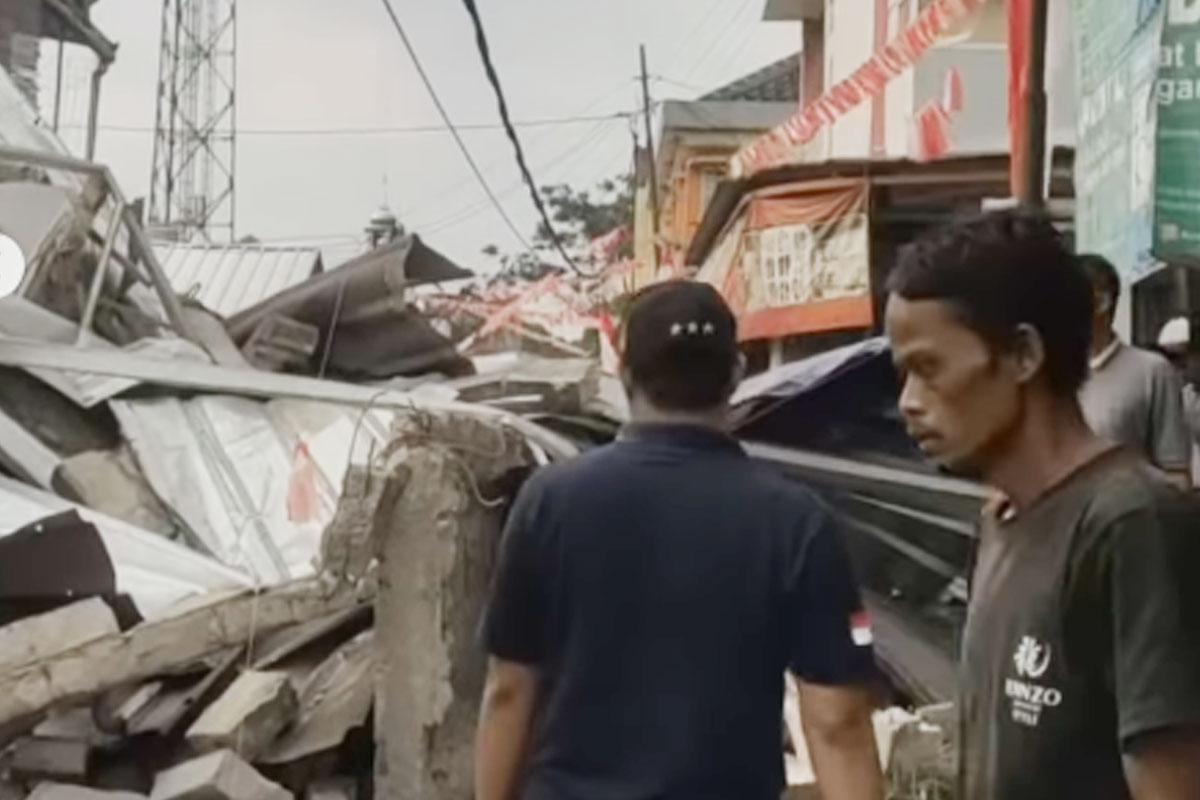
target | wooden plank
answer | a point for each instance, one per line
(158, 646)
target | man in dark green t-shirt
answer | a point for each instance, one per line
(1081, 658)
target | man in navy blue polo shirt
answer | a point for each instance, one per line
(652, 594)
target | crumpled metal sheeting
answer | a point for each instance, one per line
(226, 469)
(154, 571)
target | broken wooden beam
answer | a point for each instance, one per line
(217, 776)
(248, 717)
(161, 645)
(42, 636)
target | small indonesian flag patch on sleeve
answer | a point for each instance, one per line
(860, 629)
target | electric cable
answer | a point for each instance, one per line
(481, 43)
(462, 145)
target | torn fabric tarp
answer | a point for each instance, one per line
(155, 572)
(810, 373)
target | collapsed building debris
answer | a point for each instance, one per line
(202, 516)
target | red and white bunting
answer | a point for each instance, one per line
(777, 146)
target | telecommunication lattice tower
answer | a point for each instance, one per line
(192, 186)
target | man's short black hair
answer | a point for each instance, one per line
(1002, 270)
(1103, 276)
(680, 346)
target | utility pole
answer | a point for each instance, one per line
(1034, 190)
(650, 150)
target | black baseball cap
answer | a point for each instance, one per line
(680, 332)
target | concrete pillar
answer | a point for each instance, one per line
(435, 567)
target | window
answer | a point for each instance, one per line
(709, 179)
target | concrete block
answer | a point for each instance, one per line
(36, 759)
(249, 716)
(217, 776)
(66, 791)
(332, 789)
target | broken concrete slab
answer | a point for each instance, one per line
(38, 759)
(248, 717)
(278, 648)
(216, 776)
(193, 632)
(335, 699)
(110, 482)
(67, 791)
(174, 710)
(62, 629)
(74, 724)
(351, 541)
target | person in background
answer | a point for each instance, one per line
(1174, 340)
(1132, 396)
(1081, 651)
(651, 594)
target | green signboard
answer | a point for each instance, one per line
(1177, 190)
(1116, 52)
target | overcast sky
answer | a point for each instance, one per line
(305, 64)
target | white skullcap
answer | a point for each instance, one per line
(1175, 335)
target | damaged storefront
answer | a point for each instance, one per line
(802, 252)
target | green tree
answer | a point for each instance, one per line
(578, 217)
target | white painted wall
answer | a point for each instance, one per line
(849, 41)
(982, 60)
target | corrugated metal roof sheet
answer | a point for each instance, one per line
(227, 279)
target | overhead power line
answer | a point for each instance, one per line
(494, 79)
(412, 53)
(390, 130)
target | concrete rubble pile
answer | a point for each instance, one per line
(202, 516)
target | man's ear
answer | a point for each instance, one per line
(1028, 353)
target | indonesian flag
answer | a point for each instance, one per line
(860, 629)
